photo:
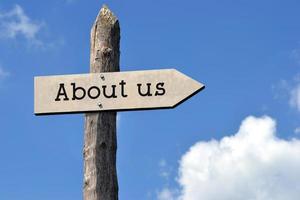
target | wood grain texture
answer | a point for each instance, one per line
(100, 140)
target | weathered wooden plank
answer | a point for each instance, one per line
(113, 91)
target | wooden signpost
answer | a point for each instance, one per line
(103, 92)
(113, 91)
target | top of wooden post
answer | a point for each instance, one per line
(106, 16)
(105, 42)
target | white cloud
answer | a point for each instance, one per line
(297, 130)
(165, 169)
(289, 91)
(166, 194)
(16, 23)
(295, 97)
(281, 89)
(295, 54)
(253, 164)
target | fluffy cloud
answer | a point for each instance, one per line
(16, 23)
(253, 164)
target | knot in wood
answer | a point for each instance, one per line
(106, 51)
(103, 145)
(98, 57)
(86, 183)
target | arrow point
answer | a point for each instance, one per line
(193, 88)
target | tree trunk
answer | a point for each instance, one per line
(100, 139)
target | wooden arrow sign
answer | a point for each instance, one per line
(112, 91)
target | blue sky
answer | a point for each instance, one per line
(247, 53)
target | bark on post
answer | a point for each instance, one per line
(100, 140)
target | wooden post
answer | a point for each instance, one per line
(100, 140)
